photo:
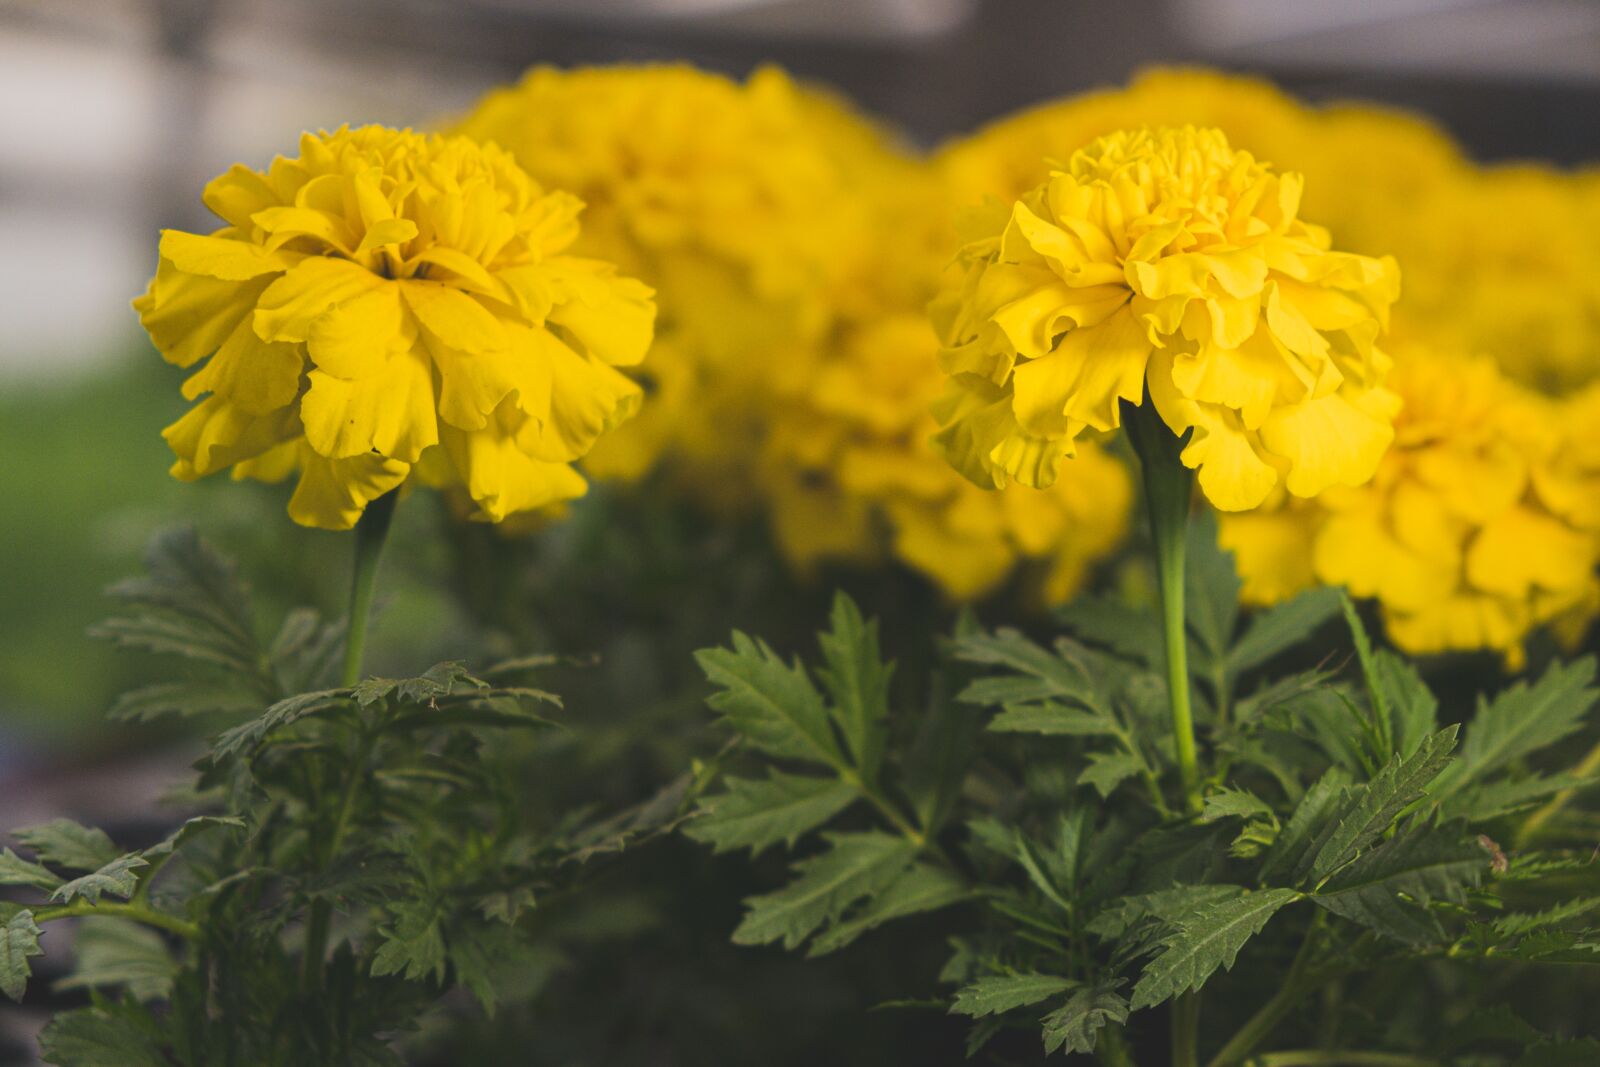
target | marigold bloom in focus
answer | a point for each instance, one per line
(389, 303)
(1164, 259)
(1478, 527)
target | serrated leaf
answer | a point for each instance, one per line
(1053, 718)
(944, 747)
(1133, 632)
(1076, 1025)
(197, 696)
(306, 650)
(117, 878)
(1583, 1052)
(95, 1037)
(1524, 719)
(64, 843)
(759, 813)
(1278, 693)
(250, 735)
(1421, 866)
(19, 941)
(774, 705)
(854, 866)
(412, 943)
(14, 870)
(1055, 674)
(190, 829)
(1281, 628)
(440, 680)
(1166, 904)
(919, 888)
(1002, 993)
(1204, 940)
(1493, 799)
(1518, 924)
(1413, 710)
(1224, 803)
(1366, 811)
(1377, 697)
(118, 952)
(857, 678)
(1107, 770)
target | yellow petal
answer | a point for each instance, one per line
(216, 433)
(298, 298)
(332, 493)
(587, 398)
(391, 411)
(355, 339)
(1083, 378)
(257, 376)
(501, 478)
(229, 258)
(189, 316)
(1326, 441)
(1521, 550)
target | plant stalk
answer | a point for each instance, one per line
(1336, 1058)
(1167, 485)
(372, 530)
(138, 911)
(1256, 1028)
(1553, 807)
(1186, 1031)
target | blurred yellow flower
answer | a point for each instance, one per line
(1478, 527)
(1164, 259)
(731, 201)
(389, 303)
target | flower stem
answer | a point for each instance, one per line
(1294, 987)
(138, 911)
(1186, 1031)
(372, 530)
(1336, 1058)
(1167, 484)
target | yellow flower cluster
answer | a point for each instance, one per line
(390, 304)
(1477, 528)
(723, 197)
(1165, 260)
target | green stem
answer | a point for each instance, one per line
(1186, 1031)
(1112, 1048)
(372, 530)
(1256, 1028)
(1167, 484)
(137, 911)
(1535, 822)
(1322, 1058)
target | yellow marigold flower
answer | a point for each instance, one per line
(1478, 526)
(731, 200)
(389, 303)
(1164, 259)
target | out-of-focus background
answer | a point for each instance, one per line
(113, 113)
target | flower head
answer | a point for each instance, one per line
(1163, 260)
(389, 303)
(1478, 526)
(735, 201)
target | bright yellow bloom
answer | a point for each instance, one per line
(389, 304)
(1164, 259)
(1478, 526)
(730, 201)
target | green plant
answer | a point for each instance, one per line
(1340, 866)
(384, 815)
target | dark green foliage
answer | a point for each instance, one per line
(1346, 839)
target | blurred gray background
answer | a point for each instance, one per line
(113, 112)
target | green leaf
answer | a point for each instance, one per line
(119, 952)
(1206, 938)
(14, 870)
(919, 888)
(412, 943)
(857, 678)
(19, 940)
(772, 704)
(1225, 803)
(1386, 888)
(1282, 627)
(197, 696)
(1277, 693)
(855, 866)
(1413, 711)
(1130, 631)
(1524, 719)
(1366, 811)
(438, 681)
(1518, 924)
(96, 1037)
(117, 878)
(1002, 993)
(190, 829)
(1377, 696)
(1583, 1052)
(248, 736)
(1167, 904)
(1493, 799)
(1053, 674)
(1211, 589)
(1076, 1025)
(64, 843)
(1052, 718)
(756, 813)
(1107, 770)
(945, 745)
